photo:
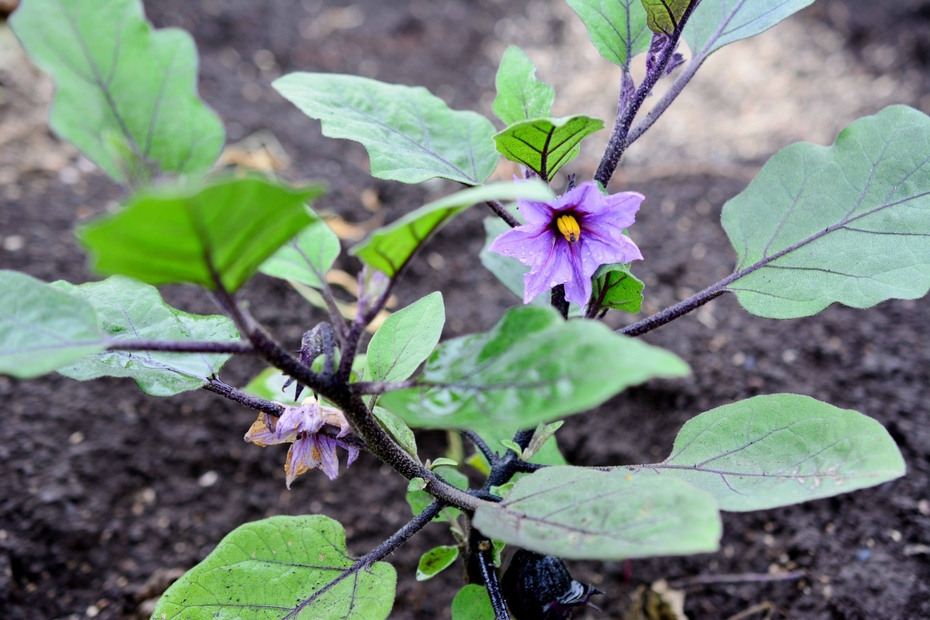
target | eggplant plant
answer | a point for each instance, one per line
(847, 223)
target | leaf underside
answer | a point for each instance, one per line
(578, 513)
(130, 310)
(616, 27)
(307, 257)
(778, 450)
(411, 135)
(849, 223)
(715, 23)
(126, 94)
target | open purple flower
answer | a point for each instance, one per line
(309, 448)
(566, 241)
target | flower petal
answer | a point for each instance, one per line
(525, 243)
(578, 287)
(329, 460)
(555, 268)
(616, 209)
(581, 199)
(303, 456)
(261, 433)
(535, 213)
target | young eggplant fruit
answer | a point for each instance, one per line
(539, 587)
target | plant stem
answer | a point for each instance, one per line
(183, 346)
(479, 443)
(618, 138)
(502, 213)
(680, 309)
(380, 387)
(700, 580)
(375, 555)
(485, 556)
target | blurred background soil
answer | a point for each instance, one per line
(107, 495)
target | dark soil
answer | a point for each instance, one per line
(103, 497)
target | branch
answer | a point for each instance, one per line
(488, 571)
(480, 444)
(618, 138)
(502, 213)
(701, 580)
(680, 309)
(376, 555)
(182, 346)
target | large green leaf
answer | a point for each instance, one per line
(126, 95)
(544, 145)
(472, 603)
(388, 249)
(778, 450)
(848, 223)
(520, 96)
(572, 512)
(531, 367)
(616, 27)
(665, 15)
(281, 567)
(229, 227)
(131, 310)
(307, 257)
(411, 135)
(716, 23)
(406, 339)
(42, 328)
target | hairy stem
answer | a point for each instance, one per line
(618, 138)
(380, 387)
(480, 444)
(680, 309)
(375, 555)
(502, 213)
(183, 346)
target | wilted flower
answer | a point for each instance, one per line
(566, 241)
(301, 426)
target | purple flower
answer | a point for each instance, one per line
(566, 241)
(300, 426)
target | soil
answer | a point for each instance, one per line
(106, 494)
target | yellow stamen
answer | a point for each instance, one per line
(569, 228)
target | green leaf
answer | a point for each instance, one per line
(543, 433)
(663, 16)
(406, 339)
(544, 145)
(444, 462)
(435, 561)
(416, 484)
(42, 328)
(181, 236)
(282, 566)
(616, 288)
(397, 429)
(512, 445)
(849, 223)
(578, 513)
(269, 384)
(419, 500)
(531, 367)
(472, 603)
(616, 27)
(778, 450)
(307, 257)
(388, 249)
(126, 95)
(715, 23)
(411, 135)
(130, 310)
(520, 96)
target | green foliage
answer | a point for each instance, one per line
(307, 257)
(531, 367)
(130, 310)
(126, 95)
(388, 249)
(616, 27)
(472, 603)
(579, 513)
(616, 288)
(281, 566)
(419, 500)
(435, 561)
(43, 328)
(845, 223)
(520, 96)
(663, 16)
(544, 145)
(778, 450)
(411, 135)
(269, 384)
(398, 429)
(715, 23)
(229, 227)
(406, 339)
